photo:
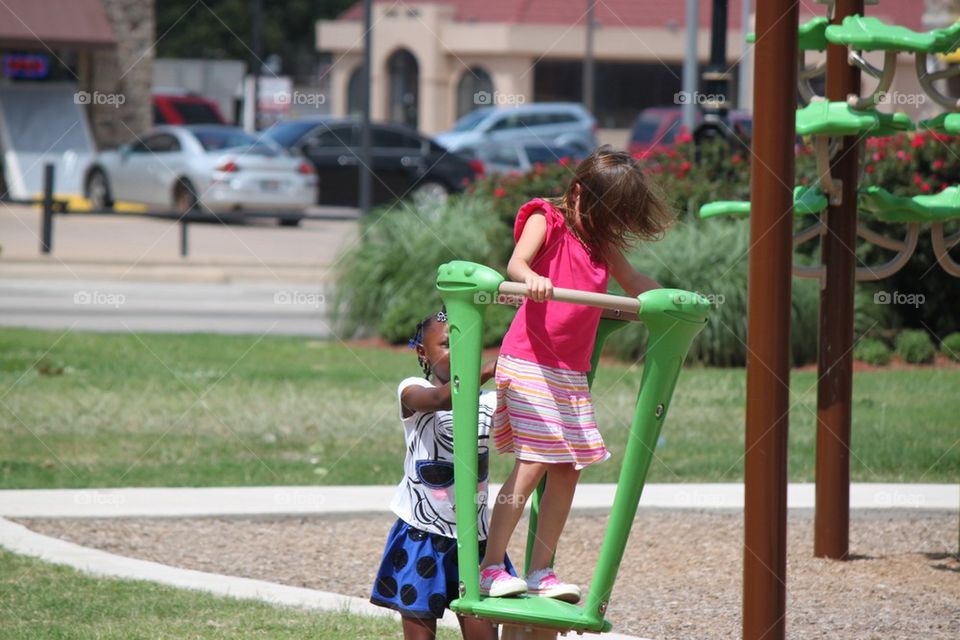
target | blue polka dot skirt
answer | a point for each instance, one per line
(418, 575)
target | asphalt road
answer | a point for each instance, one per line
(253, 308)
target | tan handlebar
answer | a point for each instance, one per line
(620, 304)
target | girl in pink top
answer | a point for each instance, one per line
(544, 410)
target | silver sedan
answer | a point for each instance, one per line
(204, 168)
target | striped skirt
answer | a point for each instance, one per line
(545, 414)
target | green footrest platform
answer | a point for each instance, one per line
(536, 611)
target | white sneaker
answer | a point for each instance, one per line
(546, 584)
(496, 582)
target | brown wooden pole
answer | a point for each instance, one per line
(835, 357)
(768, 321)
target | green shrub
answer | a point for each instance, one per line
(950, 346)
(872, 351)
(711, 259)
(386, 280)
(915, 346)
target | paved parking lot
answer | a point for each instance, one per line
(134, 246)
(125, 273)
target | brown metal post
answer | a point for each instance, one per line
(835, 357)
(768, 321)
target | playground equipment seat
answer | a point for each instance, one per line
(872, 34)
(672, 317)
(806, 200)
(840, 119)
(940, 207)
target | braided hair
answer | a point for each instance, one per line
(417, 339)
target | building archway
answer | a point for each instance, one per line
(403, 97)
(475, 89)
(355, 91)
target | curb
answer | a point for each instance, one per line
(306, 500)
(19, 539)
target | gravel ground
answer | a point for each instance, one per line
(680, 576)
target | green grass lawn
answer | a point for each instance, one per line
(90, 410)
(40, 600)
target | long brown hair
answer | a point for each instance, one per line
(618, 204)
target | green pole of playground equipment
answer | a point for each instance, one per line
(835, 349)
(768, 321)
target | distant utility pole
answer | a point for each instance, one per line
(690, 66)
(366, 179)
(257, 39)
(588, 70)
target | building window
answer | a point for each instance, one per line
(404, 101)
(355, 92)
(475, 89)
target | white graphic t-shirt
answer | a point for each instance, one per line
(424, 498)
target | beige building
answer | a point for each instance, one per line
(433, 59)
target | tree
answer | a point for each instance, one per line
(223, 29)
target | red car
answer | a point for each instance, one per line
(185, 108)
(656, 128)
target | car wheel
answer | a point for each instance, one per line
(98, 191)
(289, 222)
(432, 191)
(184, 197)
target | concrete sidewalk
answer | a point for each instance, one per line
(305, 500)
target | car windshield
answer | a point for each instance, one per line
(470, 121)
(213, 140)
(645, 128)
(288, 133)
(546, 155)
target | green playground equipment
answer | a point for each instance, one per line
(840, 119)
(672, 317)
(872, 34)
(948, 123)
(808, 200)
(829, 122)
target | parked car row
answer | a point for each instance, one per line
(301, 162)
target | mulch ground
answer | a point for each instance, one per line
(680, 577)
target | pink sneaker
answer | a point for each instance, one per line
(546, 584)
(496, 582)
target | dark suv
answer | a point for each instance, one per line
(404, 162)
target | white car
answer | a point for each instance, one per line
(564, 124)
(204, 168)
